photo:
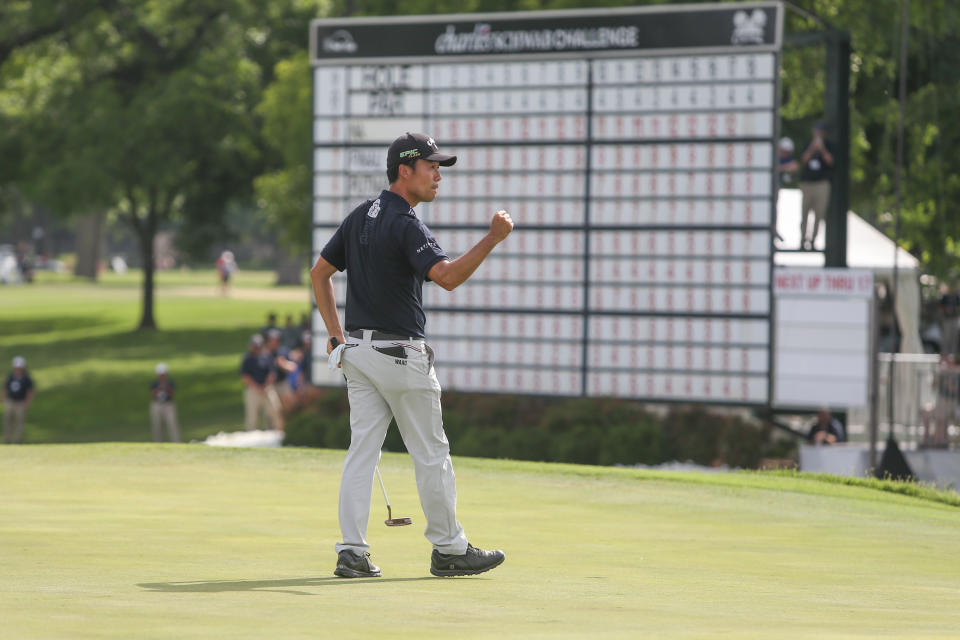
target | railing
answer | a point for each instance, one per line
(926, 400)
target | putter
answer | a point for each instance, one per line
(390, 521)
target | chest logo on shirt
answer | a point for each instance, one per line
(15, 386)
(374, 209)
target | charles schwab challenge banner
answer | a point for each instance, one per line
(706, 26)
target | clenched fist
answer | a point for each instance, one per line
(501, 225)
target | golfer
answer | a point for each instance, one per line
(388, 253)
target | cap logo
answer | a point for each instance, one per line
(431, 142)
(412, 153)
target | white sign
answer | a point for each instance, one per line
(823, 329)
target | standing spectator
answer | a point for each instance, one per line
(306, 360)
(290, 338)
(18, 394)
(826, 429)
(162, 407)
(258, 377)
(788, 163)
(225, 268)
(282, 366)
(817, 168)
(302, 375)
(270, 326)
(949, 313)
(943, 412)
(24, 263)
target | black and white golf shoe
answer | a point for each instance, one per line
(474, 561)
(351, 565)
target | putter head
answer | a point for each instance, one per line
(397, 522)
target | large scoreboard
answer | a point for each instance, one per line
(634, 149)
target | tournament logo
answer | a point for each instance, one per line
(748, 28)
(485, 39)
(340, 41)
(374, 209)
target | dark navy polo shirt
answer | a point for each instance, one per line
(17, 388)
(167, 394)
(817, 168)
(387, 251)
(255, 366)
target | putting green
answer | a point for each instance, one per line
(185, 541)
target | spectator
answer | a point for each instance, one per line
(24, 263)
(788, 163)
(306, 360)
(944, 411)
(270, 326)
(826, 429)
(302, 375)
(282, 366)
(817, 167)
(162, 408)
(225, 268)
(949, 312)
(258, 377)
(290, 337)
(18, 394)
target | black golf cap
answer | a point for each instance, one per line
(413, 146)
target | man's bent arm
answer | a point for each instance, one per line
(450, 274)
(320, 277)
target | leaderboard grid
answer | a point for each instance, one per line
(641, 181)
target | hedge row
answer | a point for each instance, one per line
(603, 431)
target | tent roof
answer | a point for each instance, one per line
(867, 248)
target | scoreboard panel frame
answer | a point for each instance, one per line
(586, 278)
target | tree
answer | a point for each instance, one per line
(285, 194)
(165, 93)
(931, 183)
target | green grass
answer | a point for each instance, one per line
(165, 541)
(93, 370)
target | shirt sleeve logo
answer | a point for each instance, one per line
(428, 244)
(374, 209)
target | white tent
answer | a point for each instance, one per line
(867, 248)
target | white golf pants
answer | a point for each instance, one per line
(381, 387)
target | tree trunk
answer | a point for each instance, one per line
(147, 234)
(89, 244)
(289, 269)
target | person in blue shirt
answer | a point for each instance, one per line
(17, 396)
(258, 376)
(388, 254)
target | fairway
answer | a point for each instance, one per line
(93, 370)
(185, 541)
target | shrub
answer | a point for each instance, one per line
(640, 443)
(580, 430)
